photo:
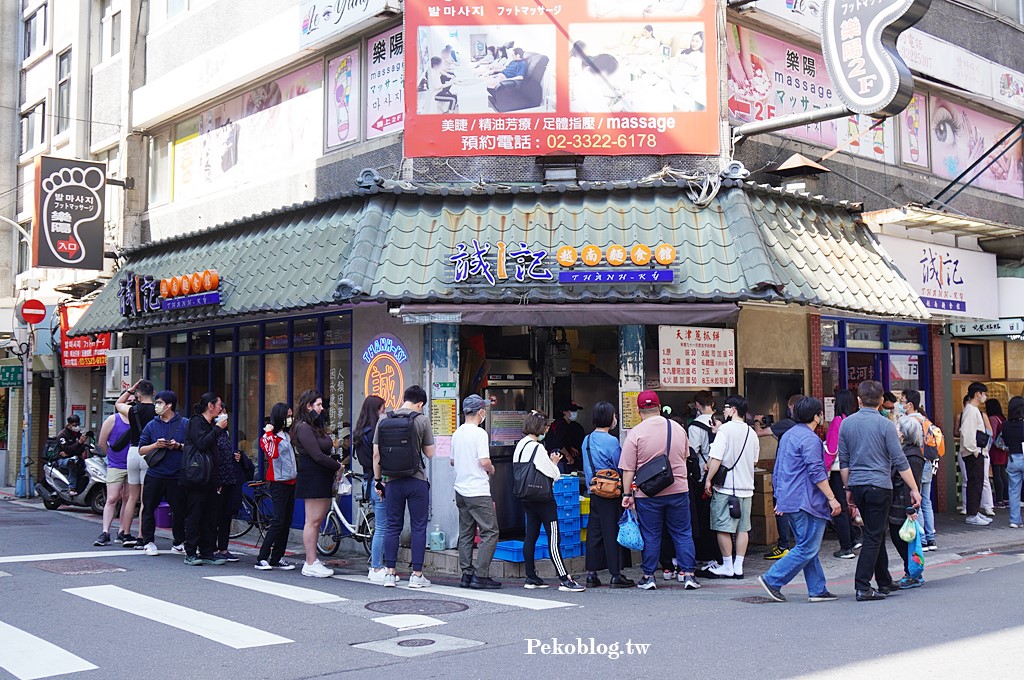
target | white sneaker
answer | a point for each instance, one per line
(989, 512)
(983, 518)
(418, 581)
(376, 575)
(151, 550)
(263, 565)
(721, 571)
(317, 570)
(390, 581)
(1014, 526)
(178, 549)
(976, 521)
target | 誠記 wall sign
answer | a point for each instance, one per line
(142, 294)
(858, 38)
(385, 358)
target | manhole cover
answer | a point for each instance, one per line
(77, 567)
(755, 599)
(428, 607)
(416, 642)
(336, 563)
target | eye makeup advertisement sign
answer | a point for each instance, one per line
(595, 77)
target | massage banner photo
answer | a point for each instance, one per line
(598, 77)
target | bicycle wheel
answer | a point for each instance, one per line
(265, 516)
(244, 519)
(366, 528)
(330, 536)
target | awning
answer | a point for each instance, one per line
(1005, 240)
(597, 314)
(393, 244)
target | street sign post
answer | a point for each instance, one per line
(10, 374)
(31, 311)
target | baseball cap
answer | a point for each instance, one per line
(344, 432)
(570, 406)
(648, 399)
(474, 403)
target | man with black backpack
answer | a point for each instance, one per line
(402, 439)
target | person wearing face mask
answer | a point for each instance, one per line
(318, 465)
(366, 425)
(802, 491)
(276, 445)
(160, 444)
(566, 436)
(889, 402)
(200, 498)
(71, 447)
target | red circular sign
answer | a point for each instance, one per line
(32, 311)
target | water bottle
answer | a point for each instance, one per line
(436, 540)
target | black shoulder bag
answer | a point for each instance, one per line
(720, 474)
(655, 475)
(529, 483)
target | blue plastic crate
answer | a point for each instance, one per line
(569, 524)
(570, 551)
(542, 552)
(568, 513)
(585, 519)
(569, 538)
(509, 551)
(567, 498)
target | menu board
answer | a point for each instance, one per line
(506, 427)
(442, 416)
(690, 357)
(442, 447)
(630, 412)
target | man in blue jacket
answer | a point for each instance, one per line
(161, 444)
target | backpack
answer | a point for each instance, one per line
(934, 443)
(400, 454)
(197, 466)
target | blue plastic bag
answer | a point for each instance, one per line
(915, 554)
(629, 531)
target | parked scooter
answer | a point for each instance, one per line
(56, 491)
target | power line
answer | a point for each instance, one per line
(50, 114)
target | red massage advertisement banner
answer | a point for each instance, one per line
(536, 77)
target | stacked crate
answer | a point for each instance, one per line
(567, 498)
(763, 530)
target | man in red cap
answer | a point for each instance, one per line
(656, 436)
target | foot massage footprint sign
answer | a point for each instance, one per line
(70, 213)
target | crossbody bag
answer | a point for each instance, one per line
(655, 475)
(606, 483)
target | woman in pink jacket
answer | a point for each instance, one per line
(846, 404)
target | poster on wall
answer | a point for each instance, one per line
(959, 136)
(342, 100)
(84, 351)
(385, 74)
(690, 357)
(769, 78)
(914, 132)
(605, 77)
(275, 125)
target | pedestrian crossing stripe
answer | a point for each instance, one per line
(28, 657)
(479, 595)
(289, 592)
(215, 628)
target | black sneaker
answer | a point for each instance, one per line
(127, 540)
(621, 582)
(484, 582)
(534, 582)
(104, 539)
(823, 597)
(647, 583)
(593, 581)
(467, 581)
(570, 586)
(772, 591)
(844, 554)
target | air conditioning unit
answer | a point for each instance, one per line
(124, 368)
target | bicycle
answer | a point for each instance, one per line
(361, 530)
(257, 511)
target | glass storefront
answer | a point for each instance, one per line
(253, 366)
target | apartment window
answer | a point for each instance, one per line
(35, 32)
(160, 168)
(63, 91)
(115, 34)
(33, 127)
(24, 252)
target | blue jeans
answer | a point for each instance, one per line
(380, 524)
(1015, 470)
(927, 512)
(673, 511)
(398, 493)
(808, 531)
(70, 467)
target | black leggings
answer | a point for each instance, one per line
(1000, 484)
(546, 513)
(223, 510)
(902, 547)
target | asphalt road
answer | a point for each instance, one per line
(154, 617)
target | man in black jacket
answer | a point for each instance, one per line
(70, 447)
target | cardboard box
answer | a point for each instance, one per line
(763, 482)
(763, 530)
(761, 505)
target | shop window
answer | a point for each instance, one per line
(63, 91)
(830, 373)
(247, 418)
(223, 340)
(970, 359)
(200, 342)
(306, 333)
(906, 338)
(276, 335)
(249, 338)
(304, 377)
(158, 375)
(830, 333)
(275, 380)
(176, 382)
(222, 381)
(158, 347)
(905, 372)
(198, 380)
(338, 330)
(864, 336)
(337, 369)
(179, 344)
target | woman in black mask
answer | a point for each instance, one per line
(317, 468)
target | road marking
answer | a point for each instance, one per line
(230, 633)
(438, 643)
(409, 621)
(27, 657)
(117, 552)
(3, 573)
(482, 595)
(289, 592)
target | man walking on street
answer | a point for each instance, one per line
(975, 434)
(472, 460)
(669, 507)
(869, 449)
(403, 437)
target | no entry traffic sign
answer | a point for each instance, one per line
(31, 311)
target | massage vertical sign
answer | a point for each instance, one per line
(534, 77)
(67, 229)
(385, 358)
(858, 38)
